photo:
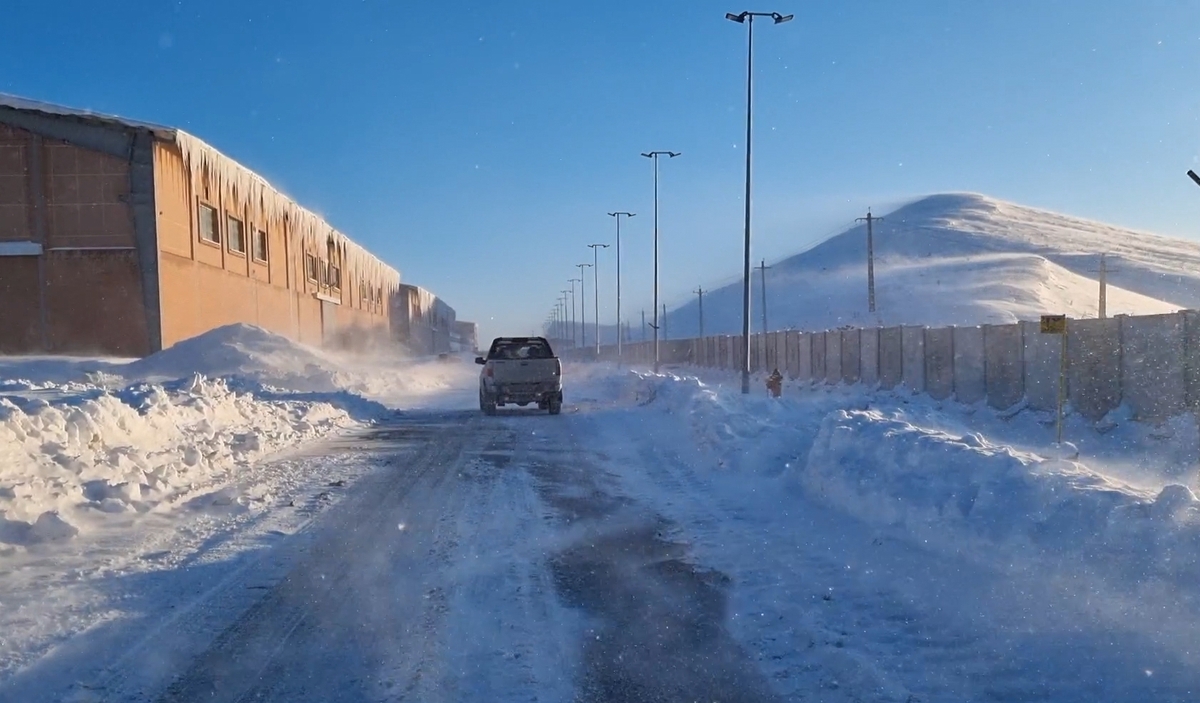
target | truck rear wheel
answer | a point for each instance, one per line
(554, 405)
(486, 403)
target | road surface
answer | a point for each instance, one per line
(593, 557)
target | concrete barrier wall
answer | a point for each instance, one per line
(939, 362)
(833, 356)
(1043, 356)
(891, 357)
(1191, 358)
(1004, 367)
(868, 356)
(1152, 365)
(851, 355)
(804, 356)
(969, 384)
(1094, 366)
(913, 355)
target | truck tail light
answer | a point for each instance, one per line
(487, 370)
(557, 367)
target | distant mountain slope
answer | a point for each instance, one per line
(962, 259)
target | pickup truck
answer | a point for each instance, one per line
(520, 370)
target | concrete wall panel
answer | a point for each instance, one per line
(1152, 379)
(1004, 369)
(1191, 358)
(891, 357)
(804, 356)
(868, 356)
(833, 356)
(817, 340)
(851, 351)
(1094, 366)
(1042, 356)
(969, 384)
(914, 358)
(939, 362)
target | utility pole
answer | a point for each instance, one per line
(596, 290)
(653, 156)
(762, 279)
(1104, 270)
(582, 304)
(869, 219)
(643, 324)
(617, 216)
(700, 292)
(664, 321)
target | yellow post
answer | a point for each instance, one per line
(1062, 382)
(1057, 324)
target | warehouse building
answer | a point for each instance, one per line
(121, 238)
(422, 321)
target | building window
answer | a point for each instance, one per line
(362, 294)
(209, 231)
(310, 268)
(258, 245)
(335, 277)
(323, 269)
(237, 240)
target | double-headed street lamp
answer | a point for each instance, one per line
(596, 290)
(566, 317)
(747, 18)
(653, 156)
(617, 216)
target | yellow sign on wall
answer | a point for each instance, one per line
(1054, 324)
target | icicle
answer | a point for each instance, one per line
(307, 230)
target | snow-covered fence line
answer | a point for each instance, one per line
(1150, 363)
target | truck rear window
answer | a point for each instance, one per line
(522, 349)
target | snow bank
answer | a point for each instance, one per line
(893, 462)
(943, 487)
(93, 440)
(68, 456)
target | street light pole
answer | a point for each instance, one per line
(617, 216)
(567, 317)
(582, 305)
(596, 292)
(747, 18)
(653, 155)
(574, 317)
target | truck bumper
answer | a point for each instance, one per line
(525, 392)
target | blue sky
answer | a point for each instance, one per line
(478, 148)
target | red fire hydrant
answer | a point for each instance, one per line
(775, 383)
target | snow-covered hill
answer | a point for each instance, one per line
(961, 259)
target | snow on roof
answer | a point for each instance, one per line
(241, 184)
(18, 103)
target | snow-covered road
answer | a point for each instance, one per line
(661, 540)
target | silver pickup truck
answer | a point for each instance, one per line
(520, 370)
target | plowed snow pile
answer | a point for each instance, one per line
(956, 478)
(83, 441)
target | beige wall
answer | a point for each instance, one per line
(83, 294)
(205, 285)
